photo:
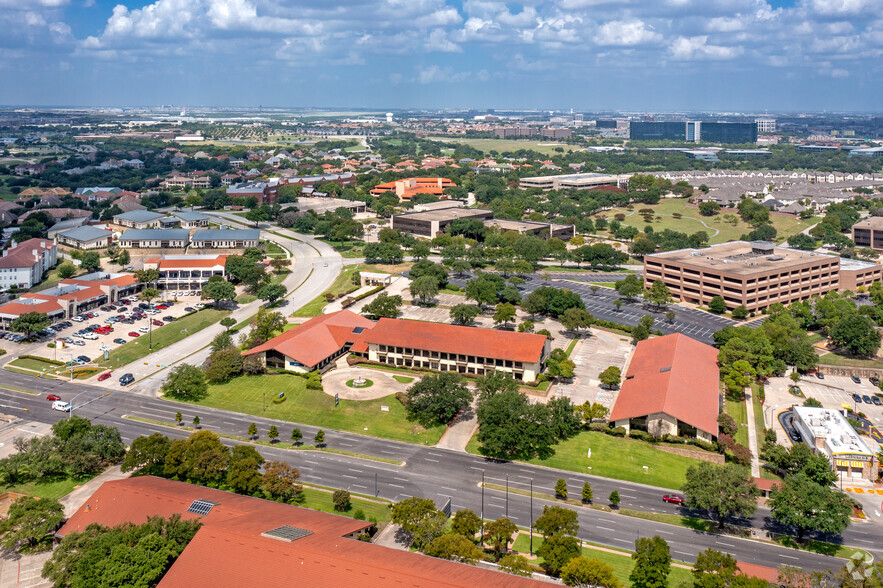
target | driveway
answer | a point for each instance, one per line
(593, 355)
(334, 382)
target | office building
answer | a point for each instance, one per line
(138, 219)
(540, 229)
(409, 187)
(727, 132)
(869, 233)
(657, 131)
(85, 237)
(828, 433)
(755, 275)
(693, 131)
(855, 274)
(186, 272)
(432, 222)
(583, 181)
(225, 238)
(155, 239)
(765, 125)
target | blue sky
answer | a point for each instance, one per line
(721, 55)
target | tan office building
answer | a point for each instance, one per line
(432, 222)
(869, 233)
(526, 227)
(756, 275)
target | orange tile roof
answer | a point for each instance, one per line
(756, 571)
(318, 338)
(675, 375)
(220, 260)
(229, 549)
(475, 341)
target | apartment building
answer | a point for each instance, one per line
(23, 266)
(755, 275)
(186, 272)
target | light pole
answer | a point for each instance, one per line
(507, 496)
(482, 506)
(531, 516)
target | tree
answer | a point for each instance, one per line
(436, 399)
(610, 377)
(717, 305)
(510, 427)
(709, 208)
(196, 421)
(280, 481)
(253, 431)
(341, 500)
(222, 340)
(218, 291)
(413, 513)
(561, 489)
(629, 287)
(273, 434)
(614, 499)
(583, 571)
(857, 334)
(383, 306)
(557, 550)
(186, 382)
(592, 411)
(148, 294)
(587, 493)
(714, 569)
(66, 270)
(178, 417)
(244, 474)
(465, 522)
(670, 316)
(319, 438)
(456, 547)
(801, 503)
(257, 216)
(534, 304)
(504, 313)
(424, 288)
(575, 319)
(31, 522)
(30, 322)
(296, 436)
(652, 563)
(557, 519)
(640, 332)
(271, 293)
(525, 327)
(516, 565)
(147, 276)
(228, 322)
(147, 454)
(740, 312)
(658, 294)
(499, 534)
(223, 365)
(493, 382)
(464, 314)
(90, 261)
(721, 490)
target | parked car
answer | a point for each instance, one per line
(119, 341)
(874, 380)
(78, 342)
(61, 405)
(104, 348)
(143, 330)
(867, 399)
(673, 499)
(857, 398)
(90, 336)
(53, 397)
(168, 318)
(189, 309)
(795, 436)
(856, 379)
(127, 379)
(876, 400)
(103, 376)
(157, 323)
(820, 375)
(83, 358)
(134, 334)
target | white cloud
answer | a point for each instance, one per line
(620, 32)
(843, 7)
(722, 24)
(697, 48)
(438, 41)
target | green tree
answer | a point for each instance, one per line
(465, 522)
(228, 322)
(525, 327)
(614, 499)
(273, 434)
(583, 571)
(265, 325)
(717, 305)
(495, 381)
(510, 427)
(456, 547)
(280, 481)
(178, 417)
(252, 431)
(658, 294)
(31, 522)
(610, 377)
(199, 459)
(185, 382)
(296, 436)
(90, 261)
(424, 289)
(222, 340)
(257, 216)
(856, 334)
(575, 319)
(147, 454)
(383, 306)
(670, 316)
(640, 333)
(147, 276)
(196, 421)
(652, 563)
(515, 564)
(504, 313)
(740, 312)
(29, 323)
(714, 569)
(436, 399)
(557, 519)
(801, 503)
(148, 294)
(223, 365)
(592, 411)
(244, 475)
(341, 500)
(319, 438)
(557, 550)
(499, 534)
(629, 287)
(413, 513)
(534, 304)
(464, 314)
(709, 208)
(218, 291)
(561, 489)
(271, 293)
(124, 258)
(721, 490)
(66, 270)
(587, 493)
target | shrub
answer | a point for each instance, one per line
(702, 444)
(673, 439)
(359, 514)
(616, 431)
(341, 499)
(599, 427)
(561, 489)
(642, 435)
(280, 399)
(741, 454)
(402, 397)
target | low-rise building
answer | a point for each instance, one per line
(138, 219)
(186, 272)
(66, 224)
(869, 233)
(828, 432)
(672, 387)
(527, 227)
(23, 266)
(855, 274)
(407, 188)
(191, 220)
(85, 237)
(155, 238)
(584, 181)
(432, 222)
(225, 238)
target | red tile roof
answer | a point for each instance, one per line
(318, 338)
(229, 549)
(167, 264)
(475, 341)
(22, 255)
(675, 375)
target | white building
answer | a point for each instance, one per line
(827, 431)
(765, 125)
(24, 265)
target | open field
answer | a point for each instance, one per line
(255, 394)
(835, 359)
(739, 413)
(343, 283)
(546, 147)
(318, 499)
(162, 337)
(48, 489)
(691, 221)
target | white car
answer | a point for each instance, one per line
(199, 305)
(61, 405)
(78, 319)
(90, 336)
(78, 342)
(104, 348)
(144, 329)
(180, 292)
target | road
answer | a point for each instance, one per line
(428, 472)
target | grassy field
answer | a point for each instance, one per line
(254, 395)
(33, 364)
(835, 359)
(739, 413)
(317, 499)
(691, 221)
(615, 457)
(621, 561)
(343, 283)
(50, 489)
(500, 145)
(162, 337)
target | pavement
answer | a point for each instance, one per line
(73, 501)
(383, 384)
(752, 436)
(592, 355)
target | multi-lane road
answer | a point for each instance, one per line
(426, 472)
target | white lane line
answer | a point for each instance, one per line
(397, 486)
(684, 553)
(727, 544)
(605, 529)
(788, 556)
(350, 477)
(434, 460)
(666, 532)
(622, 541)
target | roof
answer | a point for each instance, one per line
(69, 223)
(446, 214)
(191, 216)
(226, 235)
(86, 234)
(139, 216)
(524, 347)
(232, 549)
(22, 255)
(199, 261)
(740, 258)
(675, 375)
(155, 235)
(318, 338)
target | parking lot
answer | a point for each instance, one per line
(92, 345)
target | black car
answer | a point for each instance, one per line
(119, 341)
(867, 399)
(126, 379)
(874, 380)
(144, 305)
(795, 436)
(856, 379)
(857, 398)
(820, 375)
(189, 309)
(168, 318)
(83, 358)
(876, 400)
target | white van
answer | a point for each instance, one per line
(61, 405)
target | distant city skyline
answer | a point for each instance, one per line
(589, 55)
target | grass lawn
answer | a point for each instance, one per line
(317, 499)
(33, 364)
(739, 413)
(403, 379)
(835, 359)
(274, 250)
(759, 425)
(162, 337)
(501, 145)
(50, 489)
(614, 457)
(691, 221)
(621, 562)
(246, 298)
(313, 407)
(343, 283)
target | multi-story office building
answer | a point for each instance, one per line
(584, 181)
(765, 125)
(728, 132)
(755, 275)
(657, 131)
(526, 227)
(869, 233)
(694, 131)
(186, 272)
(432, 222)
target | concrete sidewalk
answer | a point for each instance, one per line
(78, 497)
(752, 436)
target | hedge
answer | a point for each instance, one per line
(45, 359)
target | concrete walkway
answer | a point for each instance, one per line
(460, 432)
(80, 494)
(752, 436)
(334, 382)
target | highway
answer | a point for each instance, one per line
(428, 472)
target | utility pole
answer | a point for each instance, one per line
(482, 506)
(531, 516)
(507, 496)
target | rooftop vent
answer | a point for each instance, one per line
(665, 369)
(762, 247)
(286, 533)
(776, 257)
(201, 507)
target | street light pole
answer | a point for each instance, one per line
(507, 496)
(482, 506)
(531, 516)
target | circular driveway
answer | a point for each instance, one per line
(334, 382)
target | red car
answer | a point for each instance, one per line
(162, 307)
(53, 397)
(673, 499)
(134, 334)
(157, 323)
(103, 376)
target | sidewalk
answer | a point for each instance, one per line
(78, 497)
(458, 434)
(752, 436)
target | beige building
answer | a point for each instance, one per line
(828, 432)
(869, 233)
(539, 229)
(432, 222)
(855, 274)
(584, 181)
(755, 275)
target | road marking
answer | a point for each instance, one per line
(684, 553)
(729, 544)
(666, 532)
(350, 477)
(435, 460)
(787, 556)
(396, 486)
(622, 541)
(605, 528)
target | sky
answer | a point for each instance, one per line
(589, 55)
